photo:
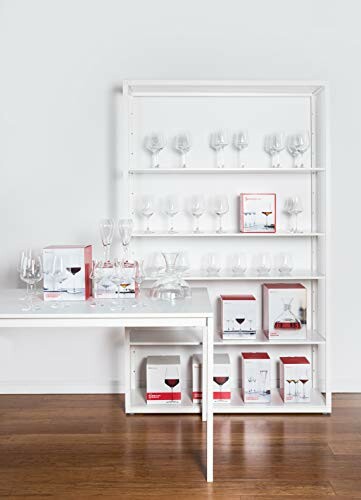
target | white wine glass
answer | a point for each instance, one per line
(106, 228)
(220, 140)
(24, 256)
(221, 207)
(182, 144)
(198, 207)
(240, 142)
(171, 208)
(278, 146)
(302, 144)
(155, 143)
(147, 209)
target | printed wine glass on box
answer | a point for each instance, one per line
(284, 311)
(258, 213)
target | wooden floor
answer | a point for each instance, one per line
(84, 446)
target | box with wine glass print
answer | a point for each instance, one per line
(258, 213)
(67, 272)
(238, 316)
(163, 380)
(221, 378)
(256, 377)
(295, 379)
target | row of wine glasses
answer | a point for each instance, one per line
(106, 227)
(172, 207)
(211, 263)
(297, 145)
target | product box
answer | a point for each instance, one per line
(295, 379)
(106, 289)
(256, 377)
(238, 316)
(163, 380)
(285, 311)
(258, 213)
(221, 378)
(66, 272)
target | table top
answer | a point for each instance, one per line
(199, 306)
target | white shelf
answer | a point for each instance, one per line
(198, 275)
(313, 338)
(316, 405)
(165, 234)
(139, 404)
(251, 171)
(166, 336)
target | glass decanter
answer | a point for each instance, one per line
(170, 286)
(287, 320)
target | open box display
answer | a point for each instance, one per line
(300, 185)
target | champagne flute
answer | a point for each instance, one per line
(198, 207)
(219, 140)
(221, 207)
(125, 231)
(171, 209)
(147, 209)
(241, 142)
(182, 143)
(106, 227)
(155, 143)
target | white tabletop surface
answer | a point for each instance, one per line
(143, 306)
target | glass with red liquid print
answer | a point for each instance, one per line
(171, 378)
(220, 381)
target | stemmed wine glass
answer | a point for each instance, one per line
(24, 256)
(120, 280)
(219, 140)
(182, 143)
(171, 209)
(106, 227)
(96, 275)
(147, 209)
(292, 149)
(302, 144)
(31, 273)
(56, 270)
(155, 143)
(274, 144)
(171, 378)
(198, 207)
(125, 231)
(73, 271)
(297, 209)
(221, 207)
(241, 142)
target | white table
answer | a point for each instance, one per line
(195, 312)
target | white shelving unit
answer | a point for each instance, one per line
(202, 107)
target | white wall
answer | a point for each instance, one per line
(60, 60)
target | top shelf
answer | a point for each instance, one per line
(186, 171)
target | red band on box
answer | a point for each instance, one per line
(222, 395)
(197, 394)
(163, 396)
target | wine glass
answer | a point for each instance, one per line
(302, 145)
(292, 149)
(106, 227)
(285, 265)
(239, 264)
(289, 209)
(125, 231)
(155, 264)
(296, 209)
(219, 140)
(269, 148)
(213, 265)
(147, 209)
(56, 270)
(240, 142)
(73, 271)
(221, 207)
(182, 263)
(198, 207)
(171, 378)
(24, 256)
(96, 275)
(182, 143)
(279, 146)
(120, 280)
(155, 143)
(171, 209)
(264, 264)
(31, 273)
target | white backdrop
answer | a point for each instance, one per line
(59, 63)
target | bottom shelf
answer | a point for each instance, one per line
(316, 405)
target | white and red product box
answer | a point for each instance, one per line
(163, 380)
(238, 316)
(285, 311)
(256, 377)
(258, 213)
(295, 379)
(221, 378)
(106, 289)
(66, 272)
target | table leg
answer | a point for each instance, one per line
(209, 403)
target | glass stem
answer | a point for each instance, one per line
(156, 160)
(184, 160)
(221, 158)
(220, 229)
(296, 225)
(148, 228)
